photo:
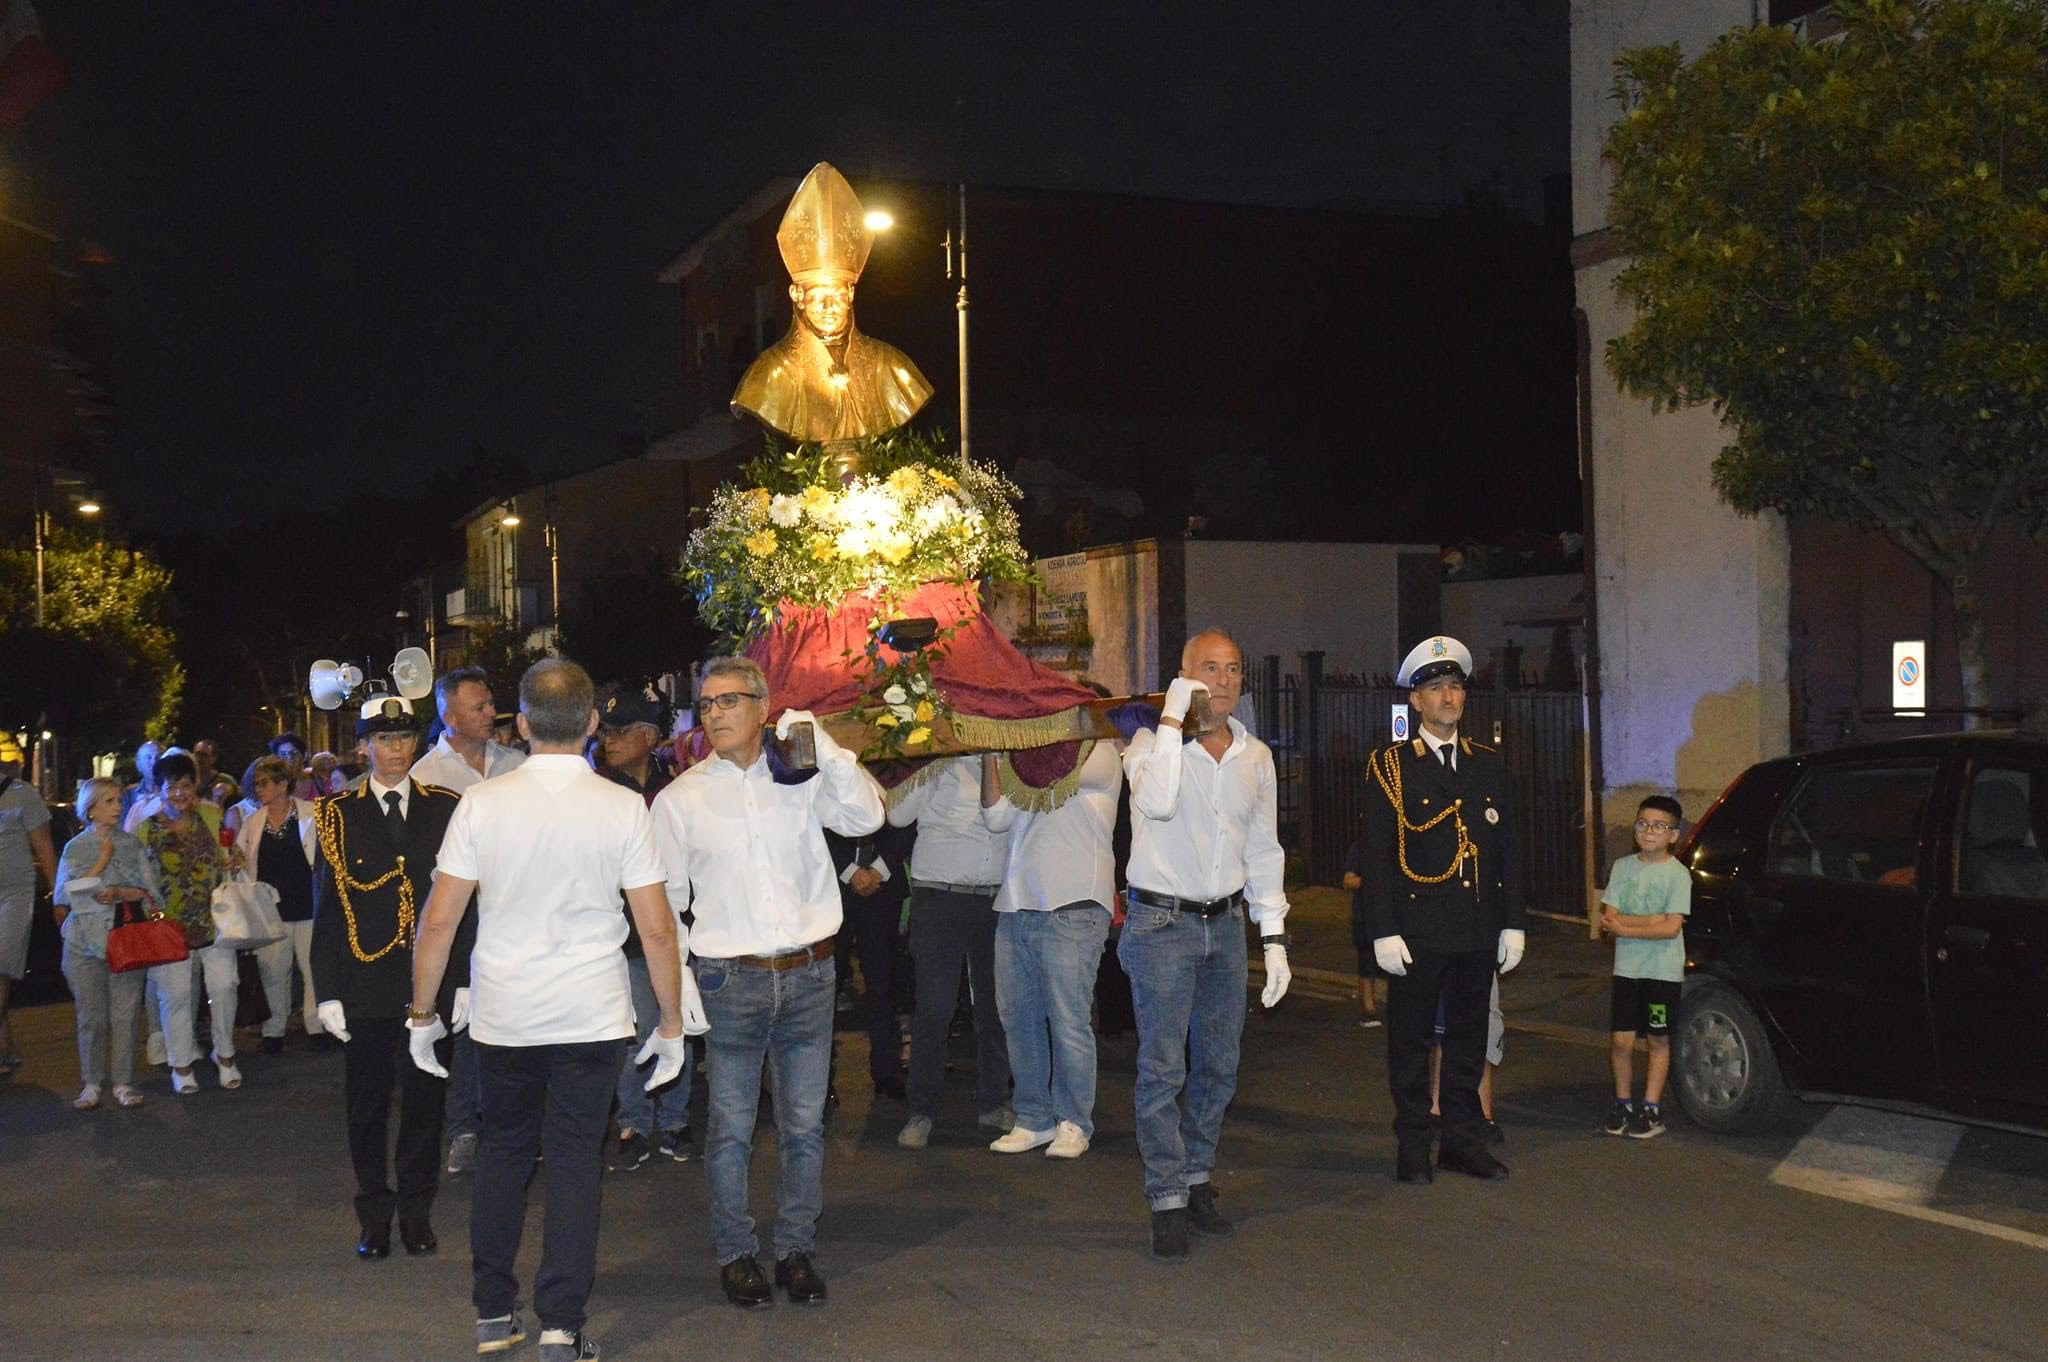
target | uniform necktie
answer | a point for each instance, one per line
(394, 815)
(1443, 754)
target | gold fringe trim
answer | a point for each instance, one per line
(1068, 725)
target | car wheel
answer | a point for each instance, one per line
(1728, 1077)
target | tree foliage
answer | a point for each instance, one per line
(103, 667)
(1843, 246)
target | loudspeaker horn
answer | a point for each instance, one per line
(329, 682)
(412, 671)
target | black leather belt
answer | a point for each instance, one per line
(1200, 908)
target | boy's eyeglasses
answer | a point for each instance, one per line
(725, 701)
(1650, 825)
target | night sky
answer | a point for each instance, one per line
(353, 241)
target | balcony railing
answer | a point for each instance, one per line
(479, 602)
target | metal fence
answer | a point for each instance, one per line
(1321, 730)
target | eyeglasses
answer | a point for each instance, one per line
(725, 701)
(1648, 825)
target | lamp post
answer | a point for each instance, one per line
(508, 525)
(879, 220)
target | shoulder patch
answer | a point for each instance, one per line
(1421, 748)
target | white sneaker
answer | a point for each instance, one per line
(1019, 1140)
(916, 1133)
(1067, 1142)
(158, 1054)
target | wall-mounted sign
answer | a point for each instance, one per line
(1401, 722)
(1909, 677)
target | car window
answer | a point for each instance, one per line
(1857, 823)
(2003, 833)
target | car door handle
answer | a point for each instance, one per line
(1963, 940)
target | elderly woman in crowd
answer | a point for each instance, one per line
(182, 839)
(275, 845)
(100, 868)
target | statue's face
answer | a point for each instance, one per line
(826, 308)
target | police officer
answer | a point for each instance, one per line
(373, 868)
(1444, 899)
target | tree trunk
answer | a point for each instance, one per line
(1969, 613)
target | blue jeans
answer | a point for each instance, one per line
(1187, 987)
(552, 1099)
(784, 1017)
(1045, 978)
(639, 1109)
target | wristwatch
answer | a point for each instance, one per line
(1276, 939)
(414, 1014)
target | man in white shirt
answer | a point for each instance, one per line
(742, 839)
(1205, 850)
(547, 849)
(1052, 918)
(463, 755)
(955, 871)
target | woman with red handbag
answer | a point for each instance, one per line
(101, 868)
(183, 841)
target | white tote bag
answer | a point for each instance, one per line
(245, 915)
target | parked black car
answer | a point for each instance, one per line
(1870, 925)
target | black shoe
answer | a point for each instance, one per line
(1170, 1235)
(1203, 1217)
(632, 1150)
(1472, 1160)
(800, 1280)
(745, 1284)
(1492, 1134)
(273, 1045)
(375, 1244)
(417, 1236)
(676, 1144)
(1412, 1164)
(891, 1087)
(1618, 1117)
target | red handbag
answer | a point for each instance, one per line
(138, 940)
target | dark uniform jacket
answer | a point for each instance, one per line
(1466, 909)
(887, 846)
(352, 826)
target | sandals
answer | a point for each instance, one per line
(88, 1098)
(125, 1096)
(230, 1076)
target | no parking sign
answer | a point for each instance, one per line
(1401, 722)
(1909, 677)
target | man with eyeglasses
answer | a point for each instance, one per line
(742, 840)
(1444, 899)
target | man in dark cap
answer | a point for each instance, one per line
(1444, 900)
(375, 863)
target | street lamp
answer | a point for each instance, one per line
(881, 220)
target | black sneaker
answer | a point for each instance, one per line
(1203, 1217)
(631, 1151)
(1619, 1117)
(1646, 1124)
(677, 1145)
(1170, 1235)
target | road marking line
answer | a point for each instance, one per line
(1887, 1162)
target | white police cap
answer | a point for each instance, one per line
(386, 713)
(1434, 657)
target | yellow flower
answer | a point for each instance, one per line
(886, 720)
(822, 548)
(762, 544)
(947, 481)
(916, 736)
(924, 711)
(896, 547)
(903, 482)
(814, 500)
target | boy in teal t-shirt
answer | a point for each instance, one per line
(1644, 908)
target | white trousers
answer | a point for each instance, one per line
(275, 963)
(177, 987)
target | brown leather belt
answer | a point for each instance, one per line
(802, 955)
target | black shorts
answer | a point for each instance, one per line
(1645, 1006)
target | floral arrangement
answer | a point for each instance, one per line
(802, 534)
(901, 702)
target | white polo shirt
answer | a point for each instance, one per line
(550, 845)
(1202, 828)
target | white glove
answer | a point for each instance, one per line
(695, 1023)
(458, 1011)
(1392, 954)
(667, 1052)
(333, 1020)
(1180, 693)
(420, 1040)
(1278, 976)
(1513, 941)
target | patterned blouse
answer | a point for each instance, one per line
(188, 866)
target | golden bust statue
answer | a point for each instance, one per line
(824, 380)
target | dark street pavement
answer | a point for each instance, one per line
(218, 1226)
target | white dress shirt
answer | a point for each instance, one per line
(447, 768)
(1203, 829)
(378, 790)
(750, 856)
(1063, 856)
(551, 845)
(954, 845)
(1436, 744)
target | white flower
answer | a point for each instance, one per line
(785, 511)
(869, 507)
(934, 514)
(895, 695)
(904, 712)
(854, 542)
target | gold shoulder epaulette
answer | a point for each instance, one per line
(422, 786)
(1421, 748)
